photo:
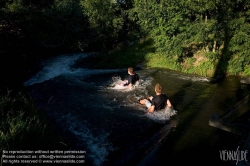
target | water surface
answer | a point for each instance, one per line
(115, 129)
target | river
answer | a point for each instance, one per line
(114, 129)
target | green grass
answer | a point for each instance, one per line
(160, 60)
(23, 127)
(124, 57)
(247, 70)
(144, 55)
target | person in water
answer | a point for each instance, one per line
(158, 102)
(132, 79)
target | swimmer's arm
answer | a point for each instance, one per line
(150, 98)
(129, 86)
(151, 109)
(169, 104)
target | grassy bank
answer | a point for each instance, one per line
(144, 55)
(23, 127)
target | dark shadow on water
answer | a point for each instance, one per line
(224, 54)
(193, 141)
(179, 96)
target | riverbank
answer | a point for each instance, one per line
(144, 55)
(23, 125)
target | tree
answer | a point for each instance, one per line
(105, 21)
(239, 37)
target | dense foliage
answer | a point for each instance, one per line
(220, 29)
(183, 32)
(195, 36)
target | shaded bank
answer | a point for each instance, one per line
(24, 127)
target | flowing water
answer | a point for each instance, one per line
(114, 129)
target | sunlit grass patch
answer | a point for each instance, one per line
(247, 70)
(161, 61)
(124, 57)
(144, 54)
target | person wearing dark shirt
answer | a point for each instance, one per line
(132, 79)
(158, 102)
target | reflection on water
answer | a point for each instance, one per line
(115, 129)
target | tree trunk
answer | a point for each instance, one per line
(207, 49)
(221, 48)
(214, 47)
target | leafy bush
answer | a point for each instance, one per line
(247, 70)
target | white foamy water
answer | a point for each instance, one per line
(162, 116)
(117, 84)
(193, 78)
(62, 65)
(158, 116)
(97, 147)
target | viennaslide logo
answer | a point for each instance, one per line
(233, 155)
